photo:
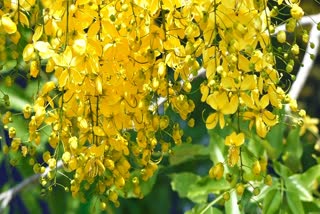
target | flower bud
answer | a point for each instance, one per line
(296, 11)
(216, 171)
(281, 36)
(291, 25)
(12, 132)
(240, 189)
(226, 196)
(256, 191)
(295, 49)
(268, 180)
(305, 37)
(256, 168)
(52, 163)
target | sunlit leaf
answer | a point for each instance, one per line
(198, 187)
(272, 202)
(187, 152)
(294, 203)
(232, 206)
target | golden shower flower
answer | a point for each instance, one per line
(234, 141)
(223, 106)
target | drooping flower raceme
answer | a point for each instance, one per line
(110, 62)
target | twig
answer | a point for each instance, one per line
(8, 195)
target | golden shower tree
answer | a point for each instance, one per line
(117, 83)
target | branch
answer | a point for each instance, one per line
(8, 195)
(307, 62)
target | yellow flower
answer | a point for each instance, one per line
(8, 25)
(258, 114)
(234, 139)
(216, 172)
(233, 155)
(72, 66)
(296, 11)
(309, 124)
(223, 106)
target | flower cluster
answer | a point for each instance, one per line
(110, 62)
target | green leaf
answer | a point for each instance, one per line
(187, 152)
(275, 137)
(281, 169)
(216, 147)
(293, 150)
(196, 188)
(231, 205)
(17, 96)
(312, 207)
(199, 207)
(293, 143)
(272, 202)
(146, 186)
(32, 203)
(308, 177)
(57, 200)
(294, 203)
(9, 65)
(182, 182)
(266, 189)
(254, 148)
(295, 186)
(302, 184)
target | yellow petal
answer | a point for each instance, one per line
(99, 85)
(24, 19)
(222, 100)
(63, 78)
(44, 48)
(34, 68)
(212, 101)
(93, 29)
(204, 91)
(239, 139)
(231, 107)
(28, 52)
(269, 118)
(97, 150)
(247, 100)
(37, 33)
(97, 130)
(264, 102)
(67, 56)
(234, 139)
(212, 121)
(221, 120)
(233, 155)
(8, 25)
(261, 128)
(249, 82)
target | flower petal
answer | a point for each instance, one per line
(212, 121)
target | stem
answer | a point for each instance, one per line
(211, 204)
(8, 195)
